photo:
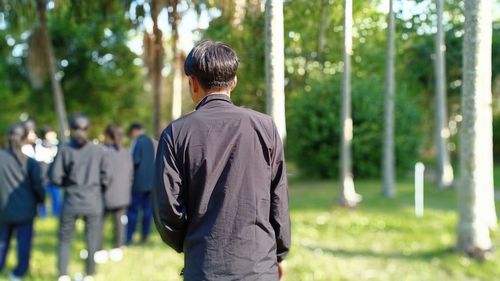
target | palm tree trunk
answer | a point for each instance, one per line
(323, 27)
(388, 176)
(157, 66)
(445, 170)
(56, 85)
(476, 198)
(348, 195)
(275, 65)
(177, 78)
(239, 12)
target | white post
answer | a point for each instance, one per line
(419, 189)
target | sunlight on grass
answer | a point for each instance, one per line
(380, 240)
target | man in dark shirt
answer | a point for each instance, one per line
(143, 156)
(221, 193)
(20, 190)
(81, 169)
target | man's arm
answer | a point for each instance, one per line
(168, 203)
(36, 180)
(137, 152)
(280, 213)
(57, 171)
(105, 171)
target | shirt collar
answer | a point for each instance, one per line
(213, 97)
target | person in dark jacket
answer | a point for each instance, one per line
(20, 191)
(117, 195)
(81, 169)
(221, 192)
(143, 153)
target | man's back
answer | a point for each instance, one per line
(143, 154)
(82, 171)
(227, 164)
(20, 188)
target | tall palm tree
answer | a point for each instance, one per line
(177, 63)
(348, 195)
(156, 66)
(445, 170)
(476, 194)
(275, 64)
(57, 91)
(388, 176)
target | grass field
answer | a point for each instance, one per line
(380, 240)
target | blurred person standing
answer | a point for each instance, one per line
(29, 146)
(45, 152)
(82, 170)
(118, 193)
(143, 154)
(20, 191)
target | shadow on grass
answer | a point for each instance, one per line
(323, 194)
(343, 253)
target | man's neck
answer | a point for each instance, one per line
(218, 92)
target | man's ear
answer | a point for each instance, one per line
(194, 84)
(235, 82)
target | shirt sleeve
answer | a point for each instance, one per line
(57, 170)
(169, 209)
(137, 152)
(105, 171)
(36, 180)
(280, 213)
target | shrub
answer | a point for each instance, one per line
(313, 140)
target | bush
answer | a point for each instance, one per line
(313, 140)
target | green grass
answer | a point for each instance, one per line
(380, 240)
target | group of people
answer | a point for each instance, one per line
(218, 188)
(85, 180)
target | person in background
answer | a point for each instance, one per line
(20, 191)
(117, 195)
(82, 170)
(45, 152)
(29, 146)
(143, 153)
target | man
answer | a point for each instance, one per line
(20, 191)
(221, 193)
(82, 170)
(143, 155)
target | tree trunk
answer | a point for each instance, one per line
(157, 66)
(348, 195)
(323, 27)
(56, 85)
(476, 193)
(445, 170)
(177, 77)
(275, 65)
(239, 12)
(389, 188)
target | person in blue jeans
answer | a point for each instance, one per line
(45, 152)
(20, 191)
(143, 156)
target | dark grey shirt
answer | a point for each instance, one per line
(221, 193)
(122, 170)
(83, 172)
(143, 154)
(20, 188)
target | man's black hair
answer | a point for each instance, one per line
(45, 130)
(214, 64)
(134, 126)
(79, 121)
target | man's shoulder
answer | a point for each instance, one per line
(197, 117)
(255, 114)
